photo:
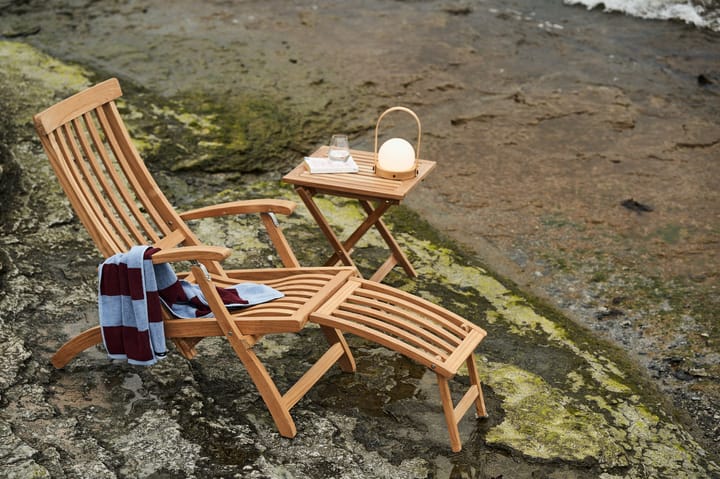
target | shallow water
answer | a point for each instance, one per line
(701, 13)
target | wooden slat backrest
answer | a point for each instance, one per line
(103, 175)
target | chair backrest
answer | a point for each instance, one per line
(103, 175)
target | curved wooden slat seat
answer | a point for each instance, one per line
(289, 314)
(416, 328)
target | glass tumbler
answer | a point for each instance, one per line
(339, 148)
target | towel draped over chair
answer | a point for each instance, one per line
(131, 290)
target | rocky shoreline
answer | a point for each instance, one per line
(592, 186)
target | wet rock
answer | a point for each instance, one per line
(636, 206)
(96, 414)
(9, 168)
(703, 80)
(605, 313)
(17, 457)
(458, 8)
(20, 31)
(27, 402)
(13, 355)
(683, 375)
(154, 444)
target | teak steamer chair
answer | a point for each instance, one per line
(120, 204)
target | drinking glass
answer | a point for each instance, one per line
(339, 148)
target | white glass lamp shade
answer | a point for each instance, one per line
(396, 155)
(396, 159)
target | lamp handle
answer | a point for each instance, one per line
(406, 110)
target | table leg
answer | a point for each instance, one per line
(372, 219)
(340, 252)
(343, 248)
(397, 256)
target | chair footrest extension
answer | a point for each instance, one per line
(414, 327)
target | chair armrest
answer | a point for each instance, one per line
(190, 253)
(284, 207)
(266, 208)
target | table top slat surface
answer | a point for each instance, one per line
(364, 183)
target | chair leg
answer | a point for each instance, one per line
(475, 382)
(186, 346)
(347, 361)
(278, 407)
(75, 346)
(267, 388)
(454, 414)
(449, 410)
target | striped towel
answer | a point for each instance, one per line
(131, 293)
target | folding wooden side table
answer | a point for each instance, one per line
(376, 195)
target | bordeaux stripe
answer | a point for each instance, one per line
(113, 339)
(114, 280)
(201, 309)
(137, 344)
(119, 280)
(136, 287)
(230, 296)
(154, 309)
(129, 341)
(174, 294)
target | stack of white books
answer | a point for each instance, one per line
(326, 165)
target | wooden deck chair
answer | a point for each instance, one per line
(120, 205)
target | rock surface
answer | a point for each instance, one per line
(554, 128)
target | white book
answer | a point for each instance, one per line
(326, 165)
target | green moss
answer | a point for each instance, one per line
(238, 134)
(10, 172)
(601, 410)
(31, 82)
(599, 277)
(670, 234)
(542, 422)
(197, 132)
(46, 74)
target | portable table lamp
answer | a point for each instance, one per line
(397, 159)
